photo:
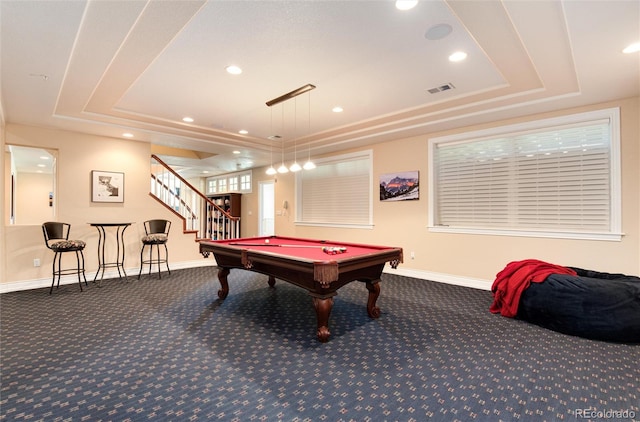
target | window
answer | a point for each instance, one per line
(245, 182)
(337, 192)
(212, 186)
(551, 178)
(233, 183)
(239, 182)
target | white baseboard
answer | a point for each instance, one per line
(71, 279)
(474, 283)
(113, 273)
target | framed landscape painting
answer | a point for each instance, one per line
(401, 186)
(107, 186)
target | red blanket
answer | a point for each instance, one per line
(515, 278)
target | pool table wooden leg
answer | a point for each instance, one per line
(323, 310)
(272, 281)
(224, 284)
(374, 292)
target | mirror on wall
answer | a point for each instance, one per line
(30, 191)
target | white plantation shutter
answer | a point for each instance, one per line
(556, 179)
(336, 192)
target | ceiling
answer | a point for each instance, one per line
(139, 67)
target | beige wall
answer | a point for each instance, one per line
(78, 155)
(474, 257)
(445, 257)
(32, 198)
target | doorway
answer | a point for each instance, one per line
(267, 205)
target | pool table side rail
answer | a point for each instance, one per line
(324, 272)
(285, 239)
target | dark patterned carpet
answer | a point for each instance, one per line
(167, 349)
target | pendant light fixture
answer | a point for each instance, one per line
(309, 165)
(271, 170)
(282, 169)
(295, 166)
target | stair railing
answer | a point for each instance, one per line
(200, 215)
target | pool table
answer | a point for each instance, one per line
(319, 266)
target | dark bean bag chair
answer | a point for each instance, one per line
(594, 305)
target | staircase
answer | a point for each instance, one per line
(199, 214)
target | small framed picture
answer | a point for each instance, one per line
(107, 186)
(401, 186)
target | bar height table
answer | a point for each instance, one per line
(102, 237)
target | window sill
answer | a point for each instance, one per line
(613, 237)
(335, 225)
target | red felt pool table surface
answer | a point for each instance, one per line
(303, 262)
(302, 248)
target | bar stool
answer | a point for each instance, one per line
(56, 237)
(156, 234)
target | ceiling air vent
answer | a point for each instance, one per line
(445, 87)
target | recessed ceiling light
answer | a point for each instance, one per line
(243, 131)
(406, 4)
(234, 70)
(632, 48)
(337, 109)
(236, 152)
(44, 157)
(458, 56)
(41, 165)
(438, 32)
(187, 119)
(205, 171)
(128, 135)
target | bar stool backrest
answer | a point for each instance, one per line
(55, 231)
(157, 226)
